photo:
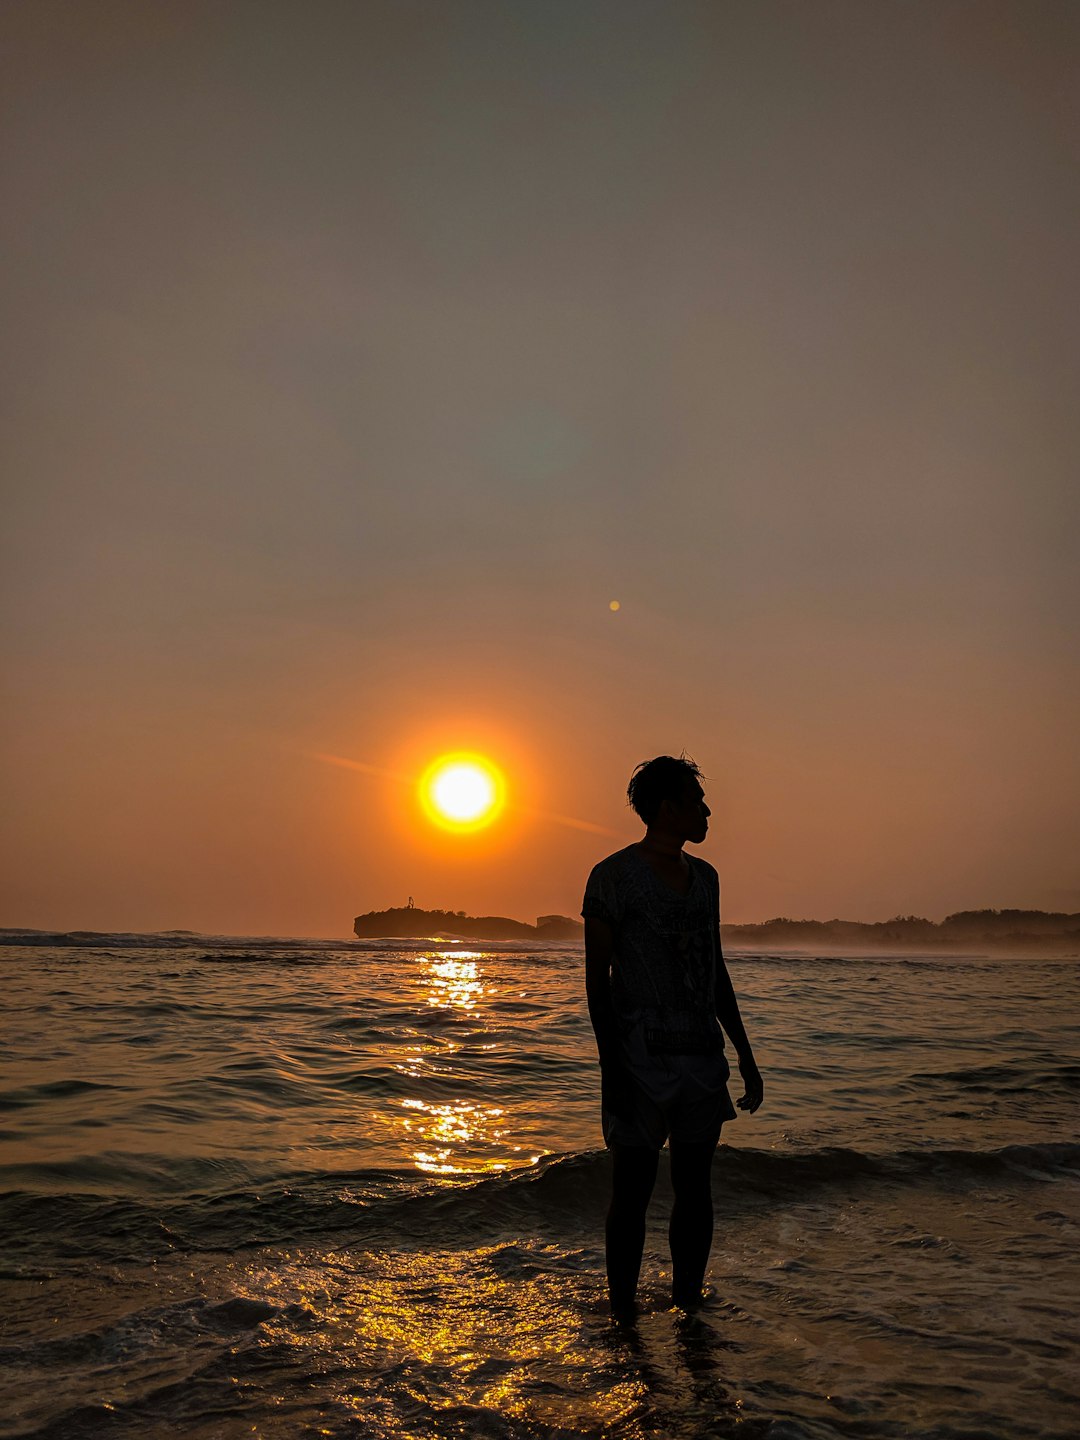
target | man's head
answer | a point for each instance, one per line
(667, 794)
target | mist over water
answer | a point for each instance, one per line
(290, 1188)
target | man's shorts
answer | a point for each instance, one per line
(679, 1097)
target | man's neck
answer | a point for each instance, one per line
(663, 845)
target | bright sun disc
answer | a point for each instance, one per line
(462, 791)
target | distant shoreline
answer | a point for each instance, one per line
(1038, 931)
(1032, 934)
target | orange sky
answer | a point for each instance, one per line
(359, 357)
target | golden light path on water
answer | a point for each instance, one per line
(454, 977)
(455, 1136)
(456, 1343)
(461, 1330)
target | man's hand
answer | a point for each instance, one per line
(755, 1086)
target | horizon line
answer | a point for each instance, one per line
(13, 930)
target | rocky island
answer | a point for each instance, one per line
(407, 921)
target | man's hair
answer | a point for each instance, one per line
(657, 780)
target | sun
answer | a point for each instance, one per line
(462, 791)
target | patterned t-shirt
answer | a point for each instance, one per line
(664, 969)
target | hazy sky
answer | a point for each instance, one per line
(357, 355)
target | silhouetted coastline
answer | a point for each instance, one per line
(409, 922)
(1018, 931)
(1050, 934)
(1037, 931)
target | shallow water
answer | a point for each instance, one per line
(288, 1189)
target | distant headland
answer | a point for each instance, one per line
(1026, 932)
(408, 922)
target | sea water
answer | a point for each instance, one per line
(291, 1189)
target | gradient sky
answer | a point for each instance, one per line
(357, 355)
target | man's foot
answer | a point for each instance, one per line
(625, 1315)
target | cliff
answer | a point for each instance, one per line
(409, 922)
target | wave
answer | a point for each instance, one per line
(1028, 1076)
(245, 949)
(27, 1095)
(559, 1194)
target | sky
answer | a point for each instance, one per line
(358, 356)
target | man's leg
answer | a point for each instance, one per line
(632, 1178)
(691, 1228)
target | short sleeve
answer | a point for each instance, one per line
(601, 900)
(713, 880)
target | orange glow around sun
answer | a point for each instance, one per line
(462, 791)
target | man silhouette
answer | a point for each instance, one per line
(660, 999)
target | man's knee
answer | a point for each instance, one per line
(691, 1171)
(633, 1175)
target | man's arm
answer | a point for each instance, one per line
(599, 953)
(727, 1012)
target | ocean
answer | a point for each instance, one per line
(284, 1188)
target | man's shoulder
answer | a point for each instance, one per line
(610, 886)
(705, 869)
(616, 862)
(627, 860)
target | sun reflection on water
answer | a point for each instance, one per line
(451, 1131)
(454, 979)
(459, 1135)
(409, 1342)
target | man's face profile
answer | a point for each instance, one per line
(687, 815)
